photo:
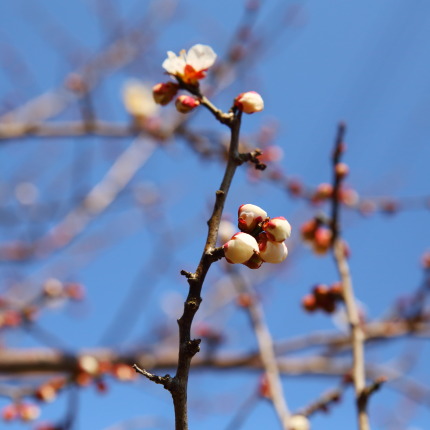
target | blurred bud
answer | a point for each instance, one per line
(185, 104)
(298, 422)
(9, 412)
(250, 216)
(271, 252)
(244, 300)
(348, 196)
(101, 386)
(138, 100)
(240, 248)
(29, 412)
(46, 393)
(10, 318)
(308, 230)
(164, 92)
(277, 229)
(249, 102)
(341, 170)
(124, 372)
(264, 387)
(53, 288)
(295, 187)
(74, 290)
(226, 230)
(322, 240)
(425, 260)
(309, 303)
(323, 191)
(89, 364)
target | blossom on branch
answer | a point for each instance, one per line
(190, 66)
(249, 102)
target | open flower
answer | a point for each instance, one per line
(240, 248)
(190, 66)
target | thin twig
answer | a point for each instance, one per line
(357, 334)
(266, 350)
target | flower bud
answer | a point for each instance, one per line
(185, 104)
(298, 422)
(277, 229)
(271, 252)
(164, 92)
(249, 216)
(240, 248)
(249, 102)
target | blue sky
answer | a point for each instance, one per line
(363, 62)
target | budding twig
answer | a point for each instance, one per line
(357, 334)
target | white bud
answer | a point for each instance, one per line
(240, 248)
(277, 229)
(249, 102)
(298, 422)
(249, 216)
(271, 252)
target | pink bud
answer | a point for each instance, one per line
(277, 229)
(164, 92)
(249, 216)
(185, 104)
(240, 248)
(249, 102)
(271, 252)
(298, 422)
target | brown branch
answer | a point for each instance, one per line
(266, 350)
(356, 330)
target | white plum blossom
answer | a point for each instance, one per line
(277, 229)
(249, 102)
(271, 252)
(138, 100)
(190, 66)
(249, 216)
(240, 248)
(298, 422)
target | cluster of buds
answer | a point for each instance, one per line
(55, 289)
(317, 235)
(20, 411)
(188, 68)
(323, 297)
(261, 238)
